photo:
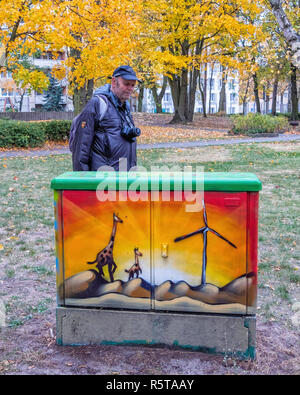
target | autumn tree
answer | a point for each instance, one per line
(23, 30)
(185, 34)
(97, 36)
(287, 15)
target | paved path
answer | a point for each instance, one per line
(180, 144)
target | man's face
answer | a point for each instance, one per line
(122, 88)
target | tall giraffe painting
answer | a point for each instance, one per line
(105, 256)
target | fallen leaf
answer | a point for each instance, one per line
(1, 247)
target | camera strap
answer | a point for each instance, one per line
(125, 117)
(124, 113)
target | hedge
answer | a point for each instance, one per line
(258, 123)
(32, 134)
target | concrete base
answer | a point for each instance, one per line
(230, 335)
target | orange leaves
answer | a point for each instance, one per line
(100, 34)
(157, 134)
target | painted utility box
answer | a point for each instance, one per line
(124, 242)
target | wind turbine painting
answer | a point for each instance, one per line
(204, 231)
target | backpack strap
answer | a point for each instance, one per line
(103, 104)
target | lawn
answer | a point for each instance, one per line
(27, 258)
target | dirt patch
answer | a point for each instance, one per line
(283, 147)
(211, 122)
(32, 349)
(196, 155)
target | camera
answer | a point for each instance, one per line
(130, 133)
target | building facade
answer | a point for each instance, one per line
(213, 90)
(11, 96)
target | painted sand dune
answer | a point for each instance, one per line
(88, 289)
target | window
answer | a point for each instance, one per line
(231, 85)
(212, 83)
(7, 92)
(213, 97)
(167, 97)
(49, 56)
(6, 74)
(232, 96)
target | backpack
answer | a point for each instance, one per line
(76, 121)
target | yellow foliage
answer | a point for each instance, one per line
(162, 36)
(30, 79)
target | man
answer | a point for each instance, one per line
(106, 141)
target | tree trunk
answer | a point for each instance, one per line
(267, 101)
(194, 74)
(274, 96)
(281, 103)
(158, 97)
(222, 102)
(203, 90)
(289, 103)
(82, 95)
(179, 90)
(294, 96)
(178, 87)
(141, 98)
(245, 97)
(210, 81)
(290, 34)
(256, 94)
(21, 101)
(183, 90)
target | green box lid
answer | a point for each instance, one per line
(157, 181)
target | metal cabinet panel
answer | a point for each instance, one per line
(199, 258)
(106, 247)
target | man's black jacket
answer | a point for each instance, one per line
(100, 143)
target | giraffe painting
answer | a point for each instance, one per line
(135, 268)
(105, 256)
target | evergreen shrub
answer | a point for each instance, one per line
(32, 134)
(20, 134)
(255, 123)
(57, 130)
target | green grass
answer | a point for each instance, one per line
(279, 213)
(27, 257)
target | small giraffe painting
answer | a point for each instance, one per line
(105, 256)
(135, 268)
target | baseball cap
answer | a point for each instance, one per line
(125, 72)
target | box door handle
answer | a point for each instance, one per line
(164, 250)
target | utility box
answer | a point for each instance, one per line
(157, 258)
